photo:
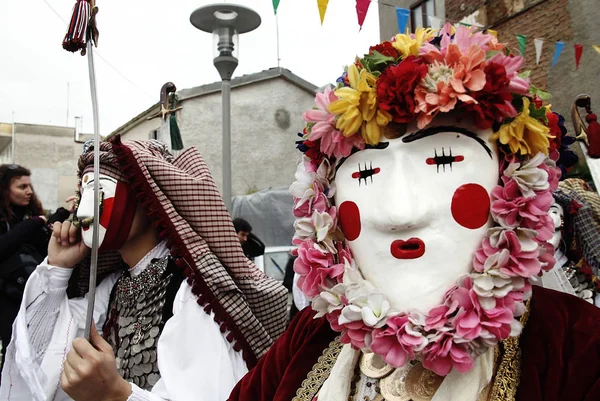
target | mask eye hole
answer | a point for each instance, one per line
(444, 160)
(365, 172)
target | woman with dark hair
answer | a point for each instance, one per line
(23, 241)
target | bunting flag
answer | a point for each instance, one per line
(322, 8)
(557, 51)
(578, 53)
(402, 14)
(275, 5)
(435, 22)
(597, 48)
(522, 39)
(362, 6)
(538, 49)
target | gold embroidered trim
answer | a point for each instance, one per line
(320, 372)
(506, 380)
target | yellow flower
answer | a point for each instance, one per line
(407, 45)
(357, 109)
(524, 135)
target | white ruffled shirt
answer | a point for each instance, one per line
(195, 361)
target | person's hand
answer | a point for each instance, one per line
(90, 372)
(66, 248)
(70, 201)
(44, 218)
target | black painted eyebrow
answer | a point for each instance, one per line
(424, 133)
(380, 145)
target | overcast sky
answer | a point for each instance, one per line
(153, 42)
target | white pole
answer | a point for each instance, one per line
(68, 94)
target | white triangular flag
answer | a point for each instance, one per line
(435, 22)
(538, 49)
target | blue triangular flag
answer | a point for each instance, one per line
(557, 51)
(402, 14)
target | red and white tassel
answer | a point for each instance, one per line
(75, 39)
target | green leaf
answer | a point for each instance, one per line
(525, 74)
(540, 93)
(376, 61)
(491, 53)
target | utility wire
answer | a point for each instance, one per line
(102, 58)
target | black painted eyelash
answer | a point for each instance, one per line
(364, 173)
(443, 160)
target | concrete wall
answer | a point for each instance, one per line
(263, 153)
(51, 154)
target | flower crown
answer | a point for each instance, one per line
(414, 78)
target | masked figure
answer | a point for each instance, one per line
(182, 312)
(422, 205)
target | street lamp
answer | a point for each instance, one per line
(225, 21)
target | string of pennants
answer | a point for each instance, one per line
(403, 15)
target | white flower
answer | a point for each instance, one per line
(329, 300)
(528, 176)
(525, 235)
(316, 227)
(494, 284)
(302, 188)
(324, 178)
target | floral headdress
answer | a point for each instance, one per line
(414, 78)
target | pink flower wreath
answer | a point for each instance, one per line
(484, 306)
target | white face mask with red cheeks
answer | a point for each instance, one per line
(108, 186)
(415, 209)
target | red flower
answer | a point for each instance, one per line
(493, 101)
(396, 88)
(313, 151)
(553, 124)
(385, 48)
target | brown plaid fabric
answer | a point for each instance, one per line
(182, 200)
(583, 204)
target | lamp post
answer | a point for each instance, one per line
(225, 21)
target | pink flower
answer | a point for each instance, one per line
(438, 317)
(333, 142)
(396, 342)
(511, 209)
(499, 320)
(315, 266)
(356, 334)
(512, 65)
(304, 207)
(443, 354)
(520, 263)
(554, 174)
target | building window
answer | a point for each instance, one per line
(153, 134)
(420, 12)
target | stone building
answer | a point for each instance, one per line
(50, 152)
(266, 115)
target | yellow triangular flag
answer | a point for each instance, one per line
(492, 32)
(322, 8)
(597, 48)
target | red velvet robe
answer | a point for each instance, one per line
(560, 348)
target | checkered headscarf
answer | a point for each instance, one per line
(182, 201)
(583, 204)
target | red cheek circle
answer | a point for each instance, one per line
(471, 206)
(107, 208)
(350, 220)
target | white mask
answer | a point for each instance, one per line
(420, 221)
(108, 186)
(556, 213)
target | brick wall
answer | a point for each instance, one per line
(548, 20)
(458, 9)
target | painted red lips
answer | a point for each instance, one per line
(410, 249)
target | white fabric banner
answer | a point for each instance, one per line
(435, 22)
(538, 49)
